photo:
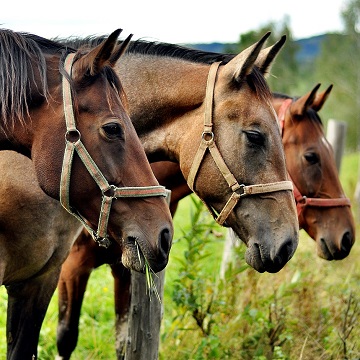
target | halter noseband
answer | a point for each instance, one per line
(301, 200)
(109, 192)
(208, 143)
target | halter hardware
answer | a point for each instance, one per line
(109, 192)
(303, 201)
(207, 143)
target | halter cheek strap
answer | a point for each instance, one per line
(109, 192)
(208, 143)
(303, 201)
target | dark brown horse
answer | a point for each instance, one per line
(169, 121)
(66, 110)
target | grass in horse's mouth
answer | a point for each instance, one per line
(149, 273)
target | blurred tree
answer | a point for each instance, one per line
(338, 63)
(285, 73)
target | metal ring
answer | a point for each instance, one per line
(241, 190)
(303, 200)
(207, 133)
(110, 192)
(72, 135)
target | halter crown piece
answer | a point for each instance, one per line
(109, 192)
(208, 143)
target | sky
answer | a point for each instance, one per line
(182, 21)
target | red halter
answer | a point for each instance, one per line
(301, 200)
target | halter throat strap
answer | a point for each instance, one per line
(207, 143)
(109, 192)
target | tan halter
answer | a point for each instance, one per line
(303, 201)
(208, 143)
(109, 192)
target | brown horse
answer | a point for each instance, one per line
(169, 120)
(66, 110)
(311, 165)
(324, 211)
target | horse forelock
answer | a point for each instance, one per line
(258, 84)
(22, 69)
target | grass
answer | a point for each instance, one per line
(303, 312)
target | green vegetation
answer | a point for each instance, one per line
(309, 310)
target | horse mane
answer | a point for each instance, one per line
(23, 61)
(255, 80)
(311, 113)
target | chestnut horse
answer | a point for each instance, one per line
(169, 121)
(66, 110)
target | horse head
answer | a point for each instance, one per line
(239, 169)
(85, 149)
(323, 209)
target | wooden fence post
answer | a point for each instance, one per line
(227, 257)
(145, 318)
(336, 135)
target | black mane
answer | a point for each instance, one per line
(153, 48)
(255, 80)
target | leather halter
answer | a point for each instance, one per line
(109, 192)
(208, 143)
(301, 200)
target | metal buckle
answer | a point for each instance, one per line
(101, 241)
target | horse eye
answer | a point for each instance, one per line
(255, 137)
(113, 130)
(311, 158)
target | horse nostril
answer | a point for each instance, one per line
(286, 250)
(165, 241)
(346, 242)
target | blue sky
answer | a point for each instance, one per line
(184, 21)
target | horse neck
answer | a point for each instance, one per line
(17, 137)
(164, 97)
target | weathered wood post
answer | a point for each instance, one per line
(227, 257)
(146, 312)
(336, 135)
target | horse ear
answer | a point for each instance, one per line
(300, 106)
(242, 64)
(120, 50)
(267, 56)
(97, 58)
(321, 98)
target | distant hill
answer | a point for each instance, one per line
(309, 48)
